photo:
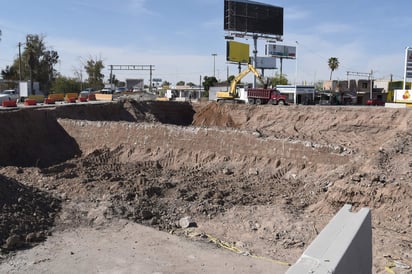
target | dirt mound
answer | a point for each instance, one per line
(266, 178)
(27, 214)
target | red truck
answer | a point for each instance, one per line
(261, 96)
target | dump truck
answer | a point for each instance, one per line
(254, 95)
(261, 96)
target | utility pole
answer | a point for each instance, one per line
(20, 61)
(371, 84)
(214, 64)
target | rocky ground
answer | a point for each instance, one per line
(264, 179)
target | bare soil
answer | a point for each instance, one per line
(264, 180)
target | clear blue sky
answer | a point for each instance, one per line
(178, 37)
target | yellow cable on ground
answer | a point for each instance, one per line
(237, 250)
(389, 266)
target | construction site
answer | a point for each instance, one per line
(262, 179)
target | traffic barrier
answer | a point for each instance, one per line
(30, 102)
(56, 96)
(343, 246)
(37, 98)
(9, 103)
(70, 100)
(91, 97)
(103, 97)
(49, 101)
(71, 95)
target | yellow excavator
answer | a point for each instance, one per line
(233, 94)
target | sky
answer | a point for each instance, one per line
(180, 37)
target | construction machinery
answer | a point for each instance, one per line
(254, 95)
(233, 94)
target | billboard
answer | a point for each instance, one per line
(253, 17)
(402, 96)
(280, 51)
(408, 63)
(265, 63)
(237, 52)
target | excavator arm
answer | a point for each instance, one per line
(232, 93)
(236, 80)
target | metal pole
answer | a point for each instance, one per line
(296, 74)
(150, 88)
(406, 67)
(20, 61)
(111, 75)
(255, 57)
(370, 77)
(281, 67)
(214, 64)
(200, 87)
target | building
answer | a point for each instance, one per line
(298, 94)
(357, 92)
(184, 93)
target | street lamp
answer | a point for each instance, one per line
(214, 64)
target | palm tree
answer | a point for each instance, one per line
(333, 64)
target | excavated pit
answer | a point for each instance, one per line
(267, 178)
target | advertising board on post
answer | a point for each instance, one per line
(265, 63)
(280, 51)
(237, 52)
(404, 95)
(408, 65)
(253, 17)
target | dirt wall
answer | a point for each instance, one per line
(266, 177)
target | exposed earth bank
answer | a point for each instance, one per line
(264, 179)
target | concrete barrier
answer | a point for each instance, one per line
(9, 103)
(56, 96)
(103, 97)
(49, 101)
(343, 246)
(30, 102)
(37, 98)
(395, 105)
(71, 95)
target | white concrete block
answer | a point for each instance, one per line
(343, 246)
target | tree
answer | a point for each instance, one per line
(209, 82)
(180, 83)
(94, 69)
(279, 80)
(10, 73)
(165, 84)
(65, 84)
(40, 61)
(333, 64)
(319, 85)
(37, 63)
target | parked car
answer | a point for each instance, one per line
(375, 102)
(85, 93)
(120, 90)
(8, 95)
